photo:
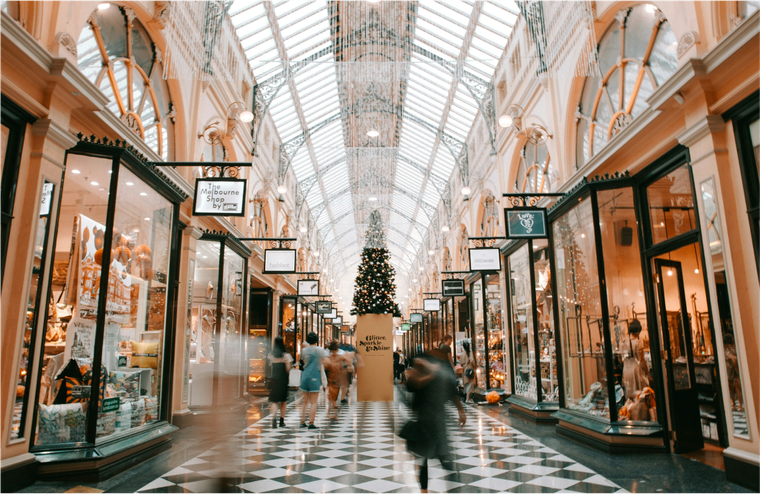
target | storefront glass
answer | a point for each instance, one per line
(287, 324)
(544, 306)
(521, 314)
(497, 372)
(580, 314)
(232, 347)
(671, 205)
(478, 336)
(202, 346)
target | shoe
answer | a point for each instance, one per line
(344, 401)
(304, 424)
(274, 423)
(312, 427)
(282, 422)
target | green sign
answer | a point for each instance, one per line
(110, 405)
(406, 326)
(526, 222)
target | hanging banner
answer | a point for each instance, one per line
(415, 317)
(431, 305)
(308, 288)
(219, 197)
(279, 261)
(452, 288)
(485, 259)
(323, 307)
(525, 222)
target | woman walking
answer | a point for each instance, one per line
(281, 362)
(433, 385)
(337, 367)
(311, 378)
(469, 365)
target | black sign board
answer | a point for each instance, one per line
(431, 305)
(415, 317)
(323, 307)
(279, 261)
(219, 197)
(452, 288)
(485, 259)
(525, 222)
(308, 288)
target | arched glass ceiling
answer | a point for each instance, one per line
(394, 67)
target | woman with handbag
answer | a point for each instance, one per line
(433, 384)
(311, 379)
(277, 383)
(469, 363)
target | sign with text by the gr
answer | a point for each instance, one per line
(485, 259)
(279, 261)
(452, 288)
(431, 305)
(219, 197)
(415, 317)
(525, 222)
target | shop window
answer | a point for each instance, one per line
(671, 205)
(580, 319)
(637, 55)
(116, 53)
(478, 345)
(535, 174)
(523, 332)
(497, 372)
(287, 325)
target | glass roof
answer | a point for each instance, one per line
(391, 67)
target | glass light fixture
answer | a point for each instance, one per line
(431, 252)
(75, 172)
(281, 189)
(316, 254)
(505, 121)
(372, 199)
(104, 6)
(303, 229)
(414, 280)
(372, 133)
(246, 116)
(94, 183)
(444, 228)
(466, 191)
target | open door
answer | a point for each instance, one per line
(677, 356)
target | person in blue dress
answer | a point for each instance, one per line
(311, 378)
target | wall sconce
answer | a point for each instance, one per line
(237, 111)
(535, 133)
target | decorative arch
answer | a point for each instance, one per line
(637, 54)
(535, 170)
(488, 216)
(116, 53)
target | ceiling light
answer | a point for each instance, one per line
(281, 189)
(205, 257)
(422, 269)
(372, 199)
(130, 184)
(466, 191)
(414, 280)
(303, 229)
(431, 252)
(444, 228)
(110, 172)
(75, 172)
(147, 219)
(505, 121)
(372, 133)
(410, 289)
(696, 271)
(102, 189)
(670, 272)
(104, 6)
(332, 280)
(94, 183)
(316, 254)
(246, 116)
(143, 193)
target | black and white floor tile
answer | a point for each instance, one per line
(361, 453)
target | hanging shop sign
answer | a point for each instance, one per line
(485, 259)
(332, 314)
(405, 326)
(219, 197)
(525, 222)
(323, 307)
(415, 317)
(308, 288)
(431, 305)
(337, 321)
(345, 329)
(452, 288)
(279, 261)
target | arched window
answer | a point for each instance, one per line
(117, 55)
(535, 172)
(636, 55)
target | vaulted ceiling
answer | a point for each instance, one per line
(373, 102)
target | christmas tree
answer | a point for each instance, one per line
(375, 287)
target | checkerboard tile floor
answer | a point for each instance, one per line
(361, 453)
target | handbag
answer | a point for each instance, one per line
(469, 373)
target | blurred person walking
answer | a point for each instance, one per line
(311, 378)
(281, 362)
(433, 385)
(469, 365)
(337, 367)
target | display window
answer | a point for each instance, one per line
(259, 337)
(478, 332)
(103, 366)
(218, 360)
(497, 364)
(288, 326)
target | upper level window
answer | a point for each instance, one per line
(535, 172)
(118, 56)
(636, 55)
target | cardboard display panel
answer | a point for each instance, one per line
(374, 343)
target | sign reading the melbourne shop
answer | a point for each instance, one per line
(219, 197)
(431, 305)
(452, 288)
(526, 222)
(485, 259)
(308, 288)
(323, 307)
(415, 317)
(279, 261)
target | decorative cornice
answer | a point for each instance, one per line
(22, 99)
(584, 181)
(57, 134)
(734, 41)
(707, 125)
(693, 67)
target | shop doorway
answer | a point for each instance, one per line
(688, 353)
